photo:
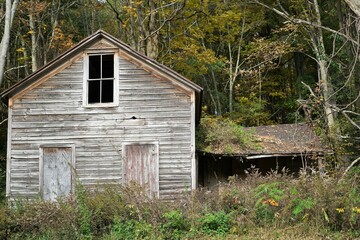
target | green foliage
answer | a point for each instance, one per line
(131, 229)
(221, 135)
(300, 205)
(250, 111)
(217, 223)
(175, 225)
(268, 196)
(2, 181)
(269, 190)
(84, 212)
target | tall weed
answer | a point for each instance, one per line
(325, 204)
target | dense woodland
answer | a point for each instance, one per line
(259, 61)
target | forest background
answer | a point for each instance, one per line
(259, 62)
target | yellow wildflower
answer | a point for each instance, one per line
(356, 209)
(340, 210)
(271, 201)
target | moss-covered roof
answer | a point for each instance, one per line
(286, 139)
(277, 140)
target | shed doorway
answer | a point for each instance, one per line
(56, 164)
(141, 165)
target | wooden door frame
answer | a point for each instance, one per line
(123, 154)
(41, 165)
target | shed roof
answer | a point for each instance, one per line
(286, 139)
(281, 140)
(144, 61)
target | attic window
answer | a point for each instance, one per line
(100, 79)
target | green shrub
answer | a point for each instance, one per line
(32, 219)
(84, 212)
(7, 222)
(102, 205)
(217, 223)
(175, 225)
(268, 197)
(131, 229)
(221, 135)
(301, 205)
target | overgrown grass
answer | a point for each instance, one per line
(257, 207)
(221, 135)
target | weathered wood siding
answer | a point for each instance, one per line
(52, 113)
(55, 167)
(141, 166)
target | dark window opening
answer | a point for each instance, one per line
(101, 79)
(107, 91)
(94, 67)
(94, 92)
(107, 66)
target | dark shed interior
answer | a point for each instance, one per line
(213, 169)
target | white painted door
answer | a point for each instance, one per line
(56, 172)
(141, 166)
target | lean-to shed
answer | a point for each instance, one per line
(101, 113)
(289, 147)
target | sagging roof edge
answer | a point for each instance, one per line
(251, 156)
(83, 44)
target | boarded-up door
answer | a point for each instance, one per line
(141, 166)
(56, 180)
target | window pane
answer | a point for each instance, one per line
(94, 92)
(107, 94)
(94, 67)
(107, 66)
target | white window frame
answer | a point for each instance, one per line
(115, 103)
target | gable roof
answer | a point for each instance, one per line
(147, 63)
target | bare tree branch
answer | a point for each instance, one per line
(349, 119)
(3, 121)
(118, 16)
(289, 18)
(174, 14)
(309, 88)
(350, 166)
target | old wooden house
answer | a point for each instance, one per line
(101, 113)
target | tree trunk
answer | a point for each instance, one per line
(33, 43)
(323, 77)
(218, 103)
(152, 41)
(299, 70)
(142, 31)
(354, 5)
(25, 54)
(326, 92)
(5, 40)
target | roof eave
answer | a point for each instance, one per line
(254, 155)
(42, 71)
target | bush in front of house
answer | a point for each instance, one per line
(273, 206)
